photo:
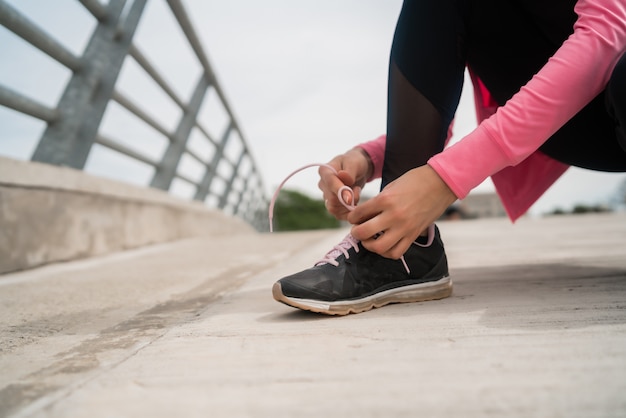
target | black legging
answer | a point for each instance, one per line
(505, 43)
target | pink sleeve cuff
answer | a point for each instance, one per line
(462, 167)
(376, 151)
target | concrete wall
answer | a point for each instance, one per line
(50, 214)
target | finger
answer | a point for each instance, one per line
(398, 249)
(335, 208)
(368, 230)
(325, 172)
(331, 198)
(329, 187)
(346, 177)
(330, 181)
(365, 211)
(379, 244)
(390, 244)
(351, 198)
(339, 214)
(355, 163)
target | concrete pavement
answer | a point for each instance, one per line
(536, 327)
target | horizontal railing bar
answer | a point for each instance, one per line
(195, 156)
(205, 133)
(187, 179)
(23, 104)
(185, 24)
(228, 161)
(149, 68)
(96, 9)
(25, 29)
(134, 109)
(123, 149)
(183, 20)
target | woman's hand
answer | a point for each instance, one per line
(405, 208)
(353, 169)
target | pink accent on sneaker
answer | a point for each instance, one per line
(431, 237)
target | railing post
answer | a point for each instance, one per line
(205, 184)
(166, 171)
(68, 140)
(229, 185)
(238, 206)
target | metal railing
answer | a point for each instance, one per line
(73, 124)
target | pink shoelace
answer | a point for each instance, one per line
(349, 241)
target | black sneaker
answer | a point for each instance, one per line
(351, 279)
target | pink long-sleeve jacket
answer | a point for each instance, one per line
(505, 143)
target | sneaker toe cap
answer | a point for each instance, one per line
(308, 284)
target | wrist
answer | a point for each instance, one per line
(369, 164)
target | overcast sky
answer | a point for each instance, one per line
(306, 81)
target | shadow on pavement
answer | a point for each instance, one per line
(546, 296)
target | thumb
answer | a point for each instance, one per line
(346, 177)
(352, 198)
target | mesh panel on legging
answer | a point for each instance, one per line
(415, 129)
(425, 81)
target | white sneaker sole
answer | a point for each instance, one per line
(422, 292)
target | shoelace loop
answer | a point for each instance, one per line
(339, 192)
(349, 240)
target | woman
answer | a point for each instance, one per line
(550, 87)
